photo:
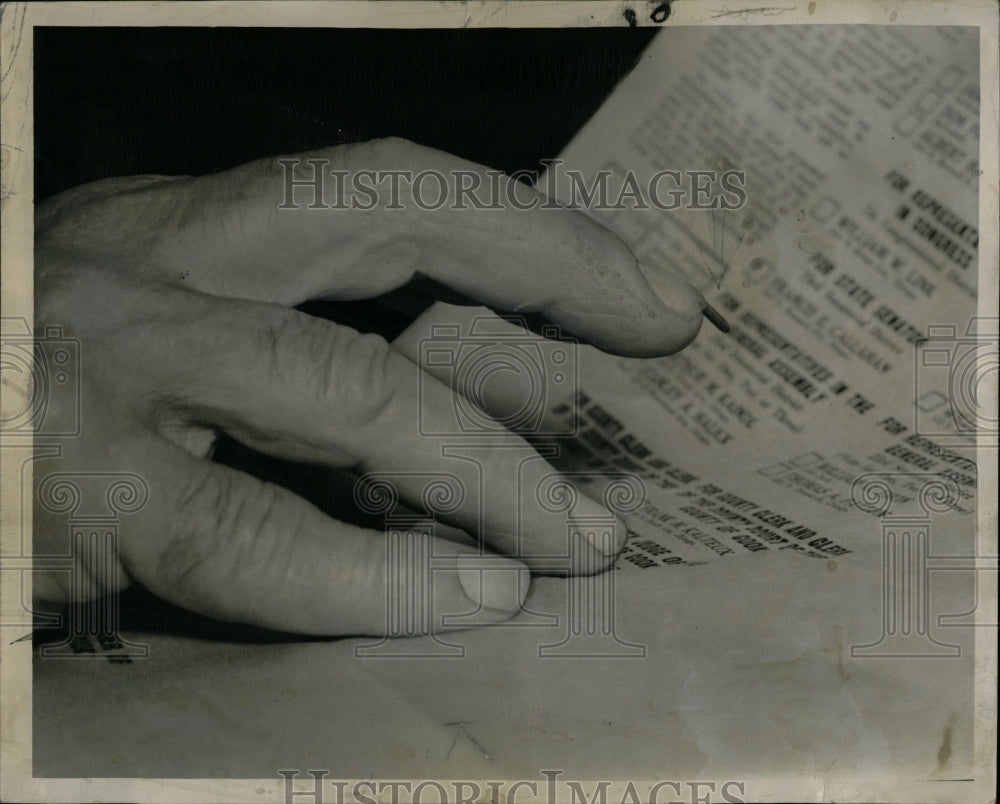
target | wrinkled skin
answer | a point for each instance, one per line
(180, 291)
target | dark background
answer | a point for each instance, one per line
(122, 101)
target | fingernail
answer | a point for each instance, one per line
(606, 539)
(603, 531)
(492, 581)
(678, 295)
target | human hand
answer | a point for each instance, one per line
(180, 292)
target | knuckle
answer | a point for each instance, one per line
(397, 153)
(393, 147)
(366, 360)
(66, 289)
(201, 514)
(356, 374)
(225, 526)
(116, 215)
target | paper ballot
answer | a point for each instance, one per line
(793, 609)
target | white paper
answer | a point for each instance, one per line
(747, 657)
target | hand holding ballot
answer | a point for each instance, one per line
(180, 291)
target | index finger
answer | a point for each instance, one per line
(323, 225)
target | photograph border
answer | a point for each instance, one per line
(16, 292)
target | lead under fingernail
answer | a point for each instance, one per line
(716, 318)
